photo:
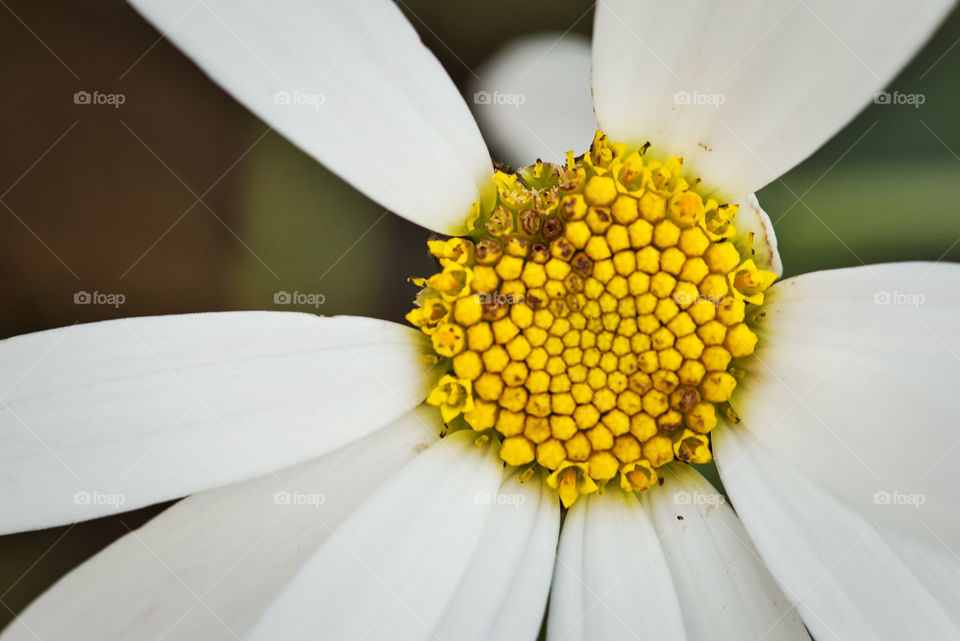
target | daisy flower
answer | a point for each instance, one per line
(593, 326)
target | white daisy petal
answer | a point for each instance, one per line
(725, 590)
(744, 91)
(351, 84)
(120, 414)
(855, 376)
(935, 565)
(504, 591)
(391, 568)
(843, 576)
(612, 580)
(565, 617)
(209, 566)
(753, 224)
(532, 98)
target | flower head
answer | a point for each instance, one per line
(592, 319)
(627, 314)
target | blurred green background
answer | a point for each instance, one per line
(182, 201)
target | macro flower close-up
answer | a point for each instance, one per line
(605, 412)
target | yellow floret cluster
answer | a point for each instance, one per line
(590, 321)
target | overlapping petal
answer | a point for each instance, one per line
(209, 566)
(351, 84)
(503, 593)
(119, 414)
(745, 90)
(855, 379)
(844, 573)
(392, 567)
(532, 98)
(675, 564)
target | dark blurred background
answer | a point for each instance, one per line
(181, 201)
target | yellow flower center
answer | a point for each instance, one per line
(591, 320)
